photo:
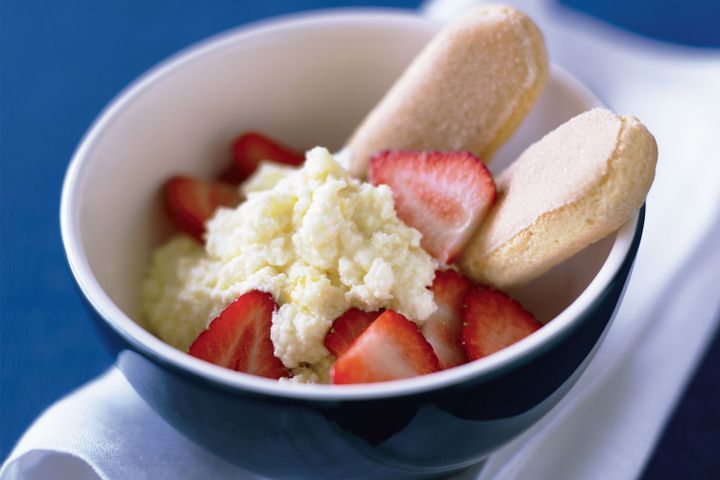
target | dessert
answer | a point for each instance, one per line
(319, 241)
(467, 90)
(252, 148)
(304, 272)
(492, 320)
(600, 166)
(346, 328)
(445, 195)
(238, 338)
(190, 202)
(443, 329)
(389, 349)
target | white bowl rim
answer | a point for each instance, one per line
(145, 342)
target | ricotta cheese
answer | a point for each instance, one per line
(315, 238)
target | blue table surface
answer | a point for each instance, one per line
(61, 62)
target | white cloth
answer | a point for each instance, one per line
(610, 421)
(106, 431)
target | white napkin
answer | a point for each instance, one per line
(608, 424)
(106, 431)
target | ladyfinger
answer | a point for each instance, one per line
(576, 185)
(467, 90)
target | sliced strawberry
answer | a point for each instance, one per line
(391, 348)
(445, 195)
(250, 148)
(190, 202)
(493, 321)
(239, 338)
(443, 329)
(346, 328)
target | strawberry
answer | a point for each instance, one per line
(391, 348)
(443, 330)
(444, 195)
(190, 202)
(493, 321)
(346, 328)
(250, 148)
(239, 338)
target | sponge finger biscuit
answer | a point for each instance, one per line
(467, 90)
(576, 185)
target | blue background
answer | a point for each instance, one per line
(61, 62)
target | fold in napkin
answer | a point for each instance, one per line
(609, 422)
(105, 431)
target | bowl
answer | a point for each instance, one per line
(309, 80)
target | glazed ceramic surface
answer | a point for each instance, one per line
(309, 80)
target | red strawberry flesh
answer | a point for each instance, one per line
(492, 321)
(250, 148)
(190, 202)
(391, 348)
(239, 338)
(445, 195)
(346, 328)
(443, 329)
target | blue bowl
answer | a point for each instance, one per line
(181, 116)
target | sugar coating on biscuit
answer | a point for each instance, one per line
(467, 90)
(557, 170)
(573, 187)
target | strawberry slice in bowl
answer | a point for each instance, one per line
(251, 148)
(492, 321)
(347, 328)
(391, 348)
(239, 338)
(445, 195)
(443, 329)
(190, 202)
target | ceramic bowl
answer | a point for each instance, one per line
(308, 80)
